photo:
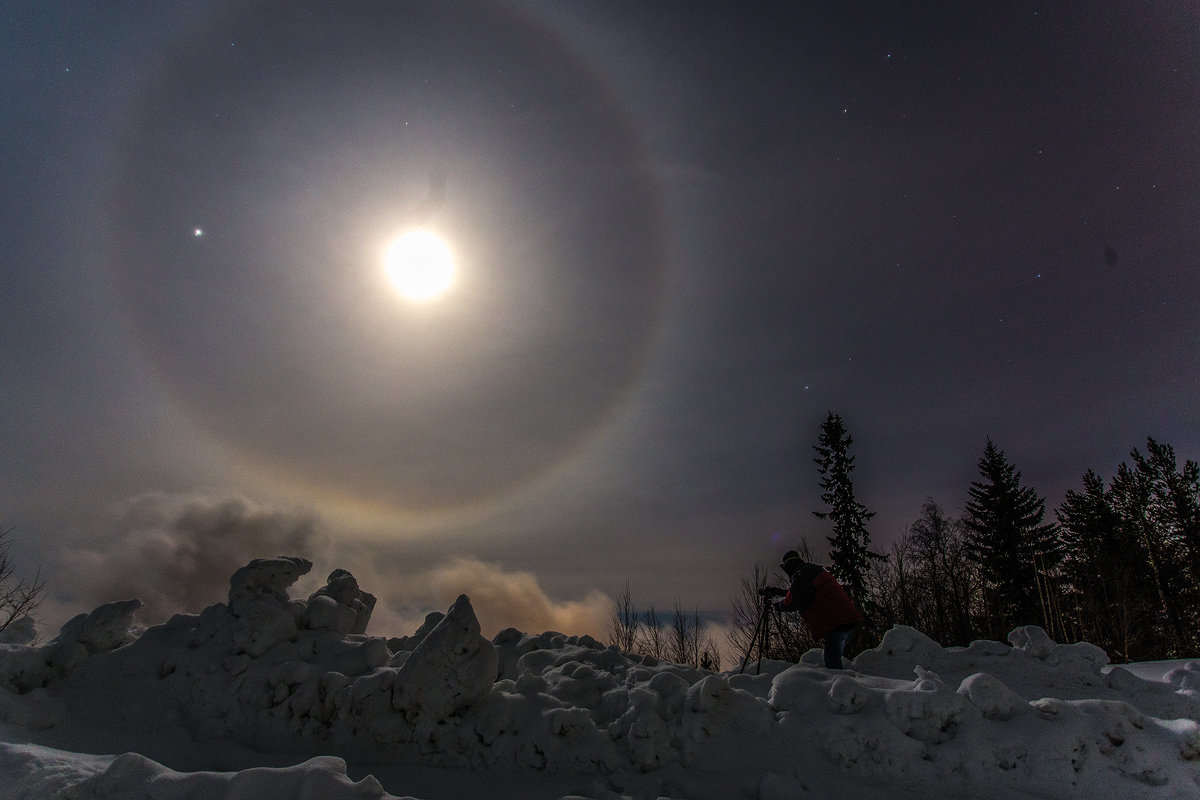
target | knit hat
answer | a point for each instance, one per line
(791, 561)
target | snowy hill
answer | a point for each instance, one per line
(271, 697)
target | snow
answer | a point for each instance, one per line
(39, 772)
(271, 696)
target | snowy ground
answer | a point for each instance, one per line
(270, 697)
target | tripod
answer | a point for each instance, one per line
(761, 637)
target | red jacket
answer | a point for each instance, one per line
(820, 599)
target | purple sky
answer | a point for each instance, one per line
(685, 233)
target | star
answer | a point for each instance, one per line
(198, 232)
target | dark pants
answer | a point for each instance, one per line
(835, 645)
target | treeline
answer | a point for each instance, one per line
(1118, 565)
(679, 638)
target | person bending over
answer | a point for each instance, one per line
(822, 602)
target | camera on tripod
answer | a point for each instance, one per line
(762, 631)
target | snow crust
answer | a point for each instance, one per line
(39, 772)
(174, 705)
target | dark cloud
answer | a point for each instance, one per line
(176, 553)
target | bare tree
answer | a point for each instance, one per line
(685, 637)
(623, 626)
(930, 583)
(647, 633)
(652, 640)
(18, 598)
(745, 609)
(688, 642)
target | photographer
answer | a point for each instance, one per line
(822, 602)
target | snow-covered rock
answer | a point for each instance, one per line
(23, 668)
(265, 578)
(1186, 678)
(451, 668)
(339, 605)
(993, 699)
(1032, 640)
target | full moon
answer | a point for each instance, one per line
(420, 264)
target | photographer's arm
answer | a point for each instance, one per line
(799, 595)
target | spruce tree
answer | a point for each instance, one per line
(850, 551)
(1010, 542)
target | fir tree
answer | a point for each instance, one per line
(1010, 542)
(850, 551)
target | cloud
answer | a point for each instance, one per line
(176, 552)
(505, 599)
(502, 598)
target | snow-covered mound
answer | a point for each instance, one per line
(38, 772)
(270, 675)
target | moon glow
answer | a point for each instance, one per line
(420, 265)
(295, 339)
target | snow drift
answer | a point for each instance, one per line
(265, 674)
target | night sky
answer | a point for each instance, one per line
(683, 232)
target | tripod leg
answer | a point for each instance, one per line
(788, 638)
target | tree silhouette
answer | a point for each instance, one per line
(623, 624)
(1014, 548)
(850, 551)
(1158, 505)
(1107, 573)
(18, 598)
